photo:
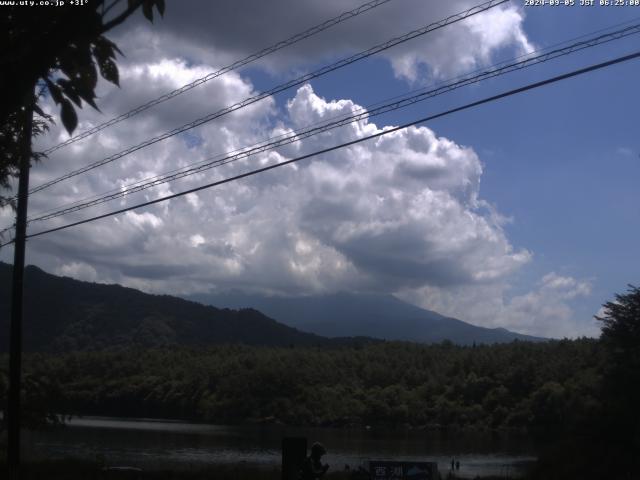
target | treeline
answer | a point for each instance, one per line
(522, 385)
(579, 398)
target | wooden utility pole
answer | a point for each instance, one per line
(15, 341)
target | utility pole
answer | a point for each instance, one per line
(15, 341)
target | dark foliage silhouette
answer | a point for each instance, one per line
(60, 52)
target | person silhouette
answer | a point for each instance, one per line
(312, 469)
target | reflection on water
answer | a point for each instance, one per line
(154, 444)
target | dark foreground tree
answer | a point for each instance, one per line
(603, 441)
(621, 331)
(10, 142)
(54, 50)
(57, 51)
(621, 390)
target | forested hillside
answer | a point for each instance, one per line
(62, 314)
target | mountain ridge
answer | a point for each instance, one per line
(64, 314)
(381, 316)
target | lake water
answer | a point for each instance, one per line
(152, 444)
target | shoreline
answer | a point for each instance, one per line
(194, 446)
(273, 422)
(71, 469)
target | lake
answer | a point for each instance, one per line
(154, 444)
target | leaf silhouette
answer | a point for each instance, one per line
(69, 116)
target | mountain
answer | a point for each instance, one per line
(63, 314)
(379, 316)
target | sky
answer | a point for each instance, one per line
(522, 213)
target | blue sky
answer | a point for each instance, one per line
(523, 213)
(562, 162)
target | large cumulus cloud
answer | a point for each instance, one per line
(397, 212)
(544, 310)
(400, 214)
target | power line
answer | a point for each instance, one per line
(372, 110)
(280, 88)
(234, 66)
(467, 106)
(528, 56)
(213, 162)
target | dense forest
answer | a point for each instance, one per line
(62, 314)
(520, 385)
(577, 398)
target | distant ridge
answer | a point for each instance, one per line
(379, 316)
(63, 314)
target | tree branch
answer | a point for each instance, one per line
(122, 17)
(106, 10)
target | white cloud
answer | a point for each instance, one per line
(221, 33)
(568, 287)
(197, 240)
(143, 220)
(464, 46)
(546, 310)
(402, 213)
(78, 270)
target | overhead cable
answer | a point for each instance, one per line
(369, 108)
(467, 106)
(279, 88)
(363, 114)
(234, 66)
